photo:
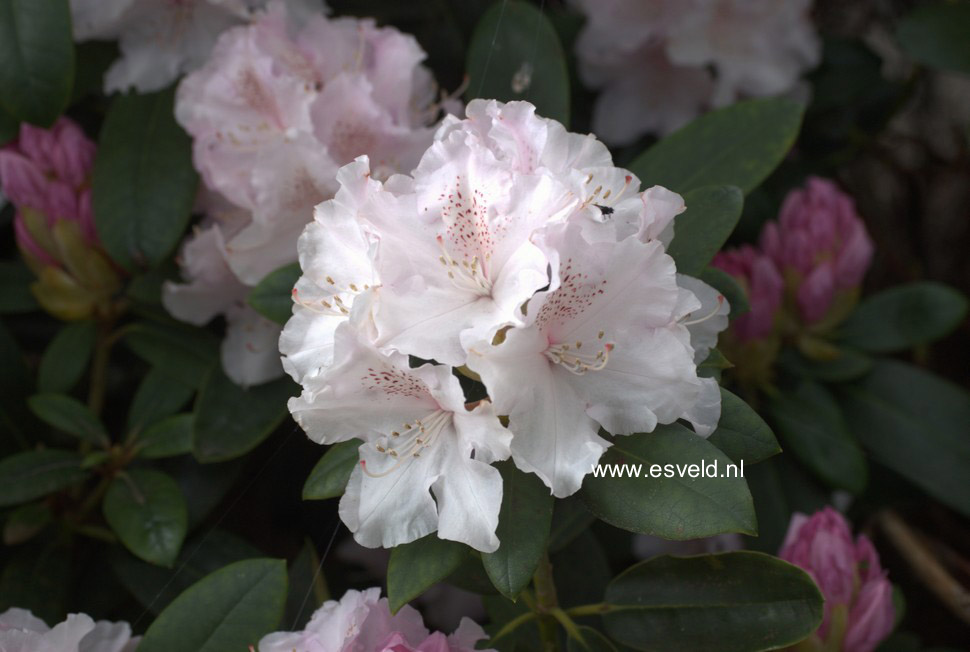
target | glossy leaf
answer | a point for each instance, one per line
(221, 432)
(903, 317)
(66, 357)
(515, 54)
(147, 511)
(36, 59)
(417, 566)
(914, 423)
(158, 396)
(738, 145)
(523, 530)
(69, 415)
(811, 425)
(230, 609)
(183, 352)
(273, 297)
(741, 433)
(672, 507)
(143, 168)
(329, 477)
(732, 602)
(935, 34)
(700, 231)
(33, 474)
(166, 438)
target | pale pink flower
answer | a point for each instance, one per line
(660, 64)
(849, 576)
(763, 284)
(822, 242)
(362, 622)
(21, 631)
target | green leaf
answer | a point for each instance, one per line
(185, 353)
(811, 425)
(166, 438)
(741, 433)
(221, 432)
(935, 34)
(9, 129)
(25, 522)
(68, 414)
(155, 587)
(143, 168)
(33, 474)
(914, 423)
(593, 641)
(36, 59)
(724, 283)
(738, 145)
(523, 530)
(570, 518)
(66, 357)
(273, 297)
(228, 610)
(672, 507)
(147, 511)
(329, 477)
(903, 317)
(732, 602)
(515, 54)
(849, 365)
(15, 280)
(780, 487)
(700, 232)
(417, 566)
(158, 396)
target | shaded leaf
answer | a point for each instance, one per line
(32, 474)
(147, 511)
(417, 566)
(741, 433)
(329, 477)
(700, 232)
(273, 297)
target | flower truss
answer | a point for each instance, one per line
(280, 105)
(517, 255)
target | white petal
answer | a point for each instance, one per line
(250, 353)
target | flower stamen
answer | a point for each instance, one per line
(569, 357)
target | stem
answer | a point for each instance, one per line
(513, 624)
(99, 367)
(546, 603)
(589, 610)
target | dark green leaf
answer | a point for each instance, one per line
(273, 297)
(144, 169)
(915, 424)
(159, 395)
(415, 567)
(738, 145)
(147, 511)
(741, 433)
(66, 357)
(935, 34)
(304, 595)
(32, 474)
(69, 415)
(903, 317)
(700, 232)
(515, 54)
(25, 522)
(780, 487)
(15, 280)
(185, 353)
(329, 477)
(36, 59)
(523, 530)
(849, 365)
(811, 425)
(582, 570)
(9, 129)
(569, 518)
(672, 507)
(724, 283)
(732, 602)
(166, 438)
(230, 609)
(221, 432)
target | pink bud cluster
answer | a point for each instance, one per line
(817, 250)
(859, 611)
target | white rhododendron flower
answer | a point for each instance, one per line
(279, 107)
(660, 64)
(21, 631)
(515, 254)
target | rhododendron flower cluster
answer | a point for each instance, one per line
(46, 174)
(280, 105)
(859, 611)
(21, 631)
(518, 254)
(660, 64)
(362, 621)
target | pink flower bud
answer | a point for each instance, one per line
(761, 280)
(847, 573)
(821, 241)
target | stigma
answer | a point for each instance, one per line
(573, 359)
(410, 441)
